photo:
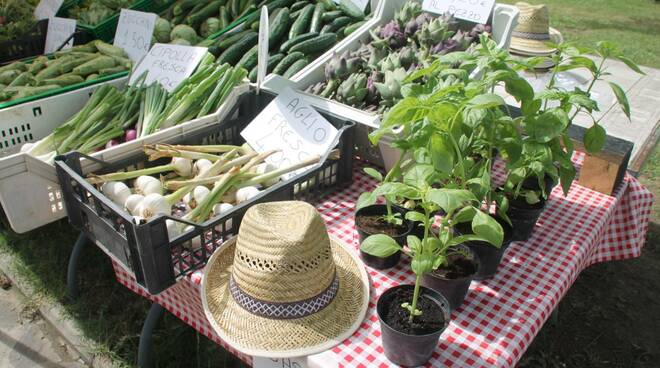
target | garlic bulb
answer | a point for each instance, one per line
(229, 196)
(117, 191)
(132, 203)
(154, 204)
(264, 168)
(246, 193)
(182, 166)
(195, 242)
(172, 229)
(200, 192)
(201, 165)
(220, 209)
(146, 185)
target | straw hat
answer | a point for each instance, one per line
(533, 32)
(282, 287)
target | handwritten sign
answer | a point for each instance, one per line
(360, 4)
(47, 8)
(292, 126)
(168, 64)
(59, 30)
(259, 362)
(476, 11)
(134, 32)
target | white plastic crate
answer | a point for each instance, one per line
(29, 191)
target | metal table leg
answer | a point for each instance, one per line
(72, 270)
(145, 348)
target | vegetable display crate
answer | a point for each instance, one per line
(29, 191)
(144, 248)
(105, 30)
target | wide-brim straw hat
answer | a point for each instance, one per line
(283, 287)
(533, 32)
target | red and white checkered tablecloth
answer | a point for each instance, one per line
(500, 316)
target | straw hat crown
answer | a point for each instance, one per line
(533, 19)
(283, 253)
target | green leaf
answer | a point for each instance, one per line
(398, 190)
(473, 117)
(442, 154)
(450, 199)
(418, 176)
(465, 214)
(566, 176)
(548, 125)
(465, 238)
(621, 98)
(455, 57)
(366, 199)
(485, 101)
(631, 64)
(530, 107)
(576, 62)
(486, 227)
(594, 138)
(519, 88)
(380, 245)
(422, 263)
(373, 173)
(414, 243)
(583, 101)
(416, 216)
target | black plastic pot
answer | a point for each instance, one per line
(489, 256)
(407, 349)
(376, 262)
(456, 289)
(532, 183)
(523, 217)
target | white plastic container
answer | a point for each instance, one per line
(29, 191)
(505, 19)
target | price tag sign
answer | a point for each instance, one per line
(259, 362)
(168, 64)
(476, 11)
(291, 125)
(134, 32)
(47, 8)
(59, 30)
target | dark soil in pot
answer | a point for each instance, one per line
(405, 343)
(524, 216)
(489, 256)
(453, 280)
(369, 221)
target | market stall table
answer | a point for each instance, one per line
(500, 316)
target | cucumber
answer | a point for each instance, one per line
(248, 4)
(253, 75)
(287, 61)
(209, 10)
(271, 6)
(235, 8)
(319, 43)
(306, 36)
(350, 9)
(183, 6)
(249, 60)
(328, 17)
(295, 68)
(326, 29)
(278, 28)
(299, 5)
(232, 54)
(353, 27)
(273, 60)
(225, 18)
(340, 22)
(255, 26)
(225, 43)
(249, 9)
(302, 22)
(315, 24)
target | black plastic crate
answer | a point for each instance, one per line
(144, 248)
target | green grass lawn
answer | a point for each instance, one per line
(606, 319)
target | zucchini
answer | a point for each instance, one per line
(315, 24)
(38, 64)
(67, 64)
(278, 28)
(295, 68)
(353, 27)
(22, 79)
(17, 65)
(110, 71)
(287, 45)
(109, 50)
(302, 22)
(183, 6)
(287, 61)
(235, 51)
(225, 19)
(235, 8)
(230, 39)
(349, 8)
(328, 17)
(23, 92)
(91, 77)
(94, 65)
(209, 10)
(319, 43)
(299, 5)
(64, 80)
(249, 60)
(255, 26)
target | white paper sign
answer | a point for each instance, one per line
(259, 362)
(47, 8)
(134, 32)
(168, 64)
(360, 4)
(476, 11)
(59, 30)
(290, 125)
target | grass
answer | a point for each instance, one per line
(605, 320)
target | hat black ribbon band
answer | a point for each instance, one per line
(298, 309)
(531, 36)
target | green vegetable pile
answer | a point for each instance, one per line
(93, 12)
(372, 77)
(16, 18)
(112, 115)
(299, 32)
(76, 65)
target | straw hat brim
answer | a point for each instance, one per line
(285, 338)
(529, 47)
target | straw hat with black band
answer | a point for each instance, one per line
(283, 287)
(533, 32)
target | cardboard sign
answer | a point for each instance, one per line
(134, 32)
(259, 362)
(291, 125)
(476, 11)
(361, 4)
(262, 56)
(47, 8)
(168, 64)
(59, 30)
